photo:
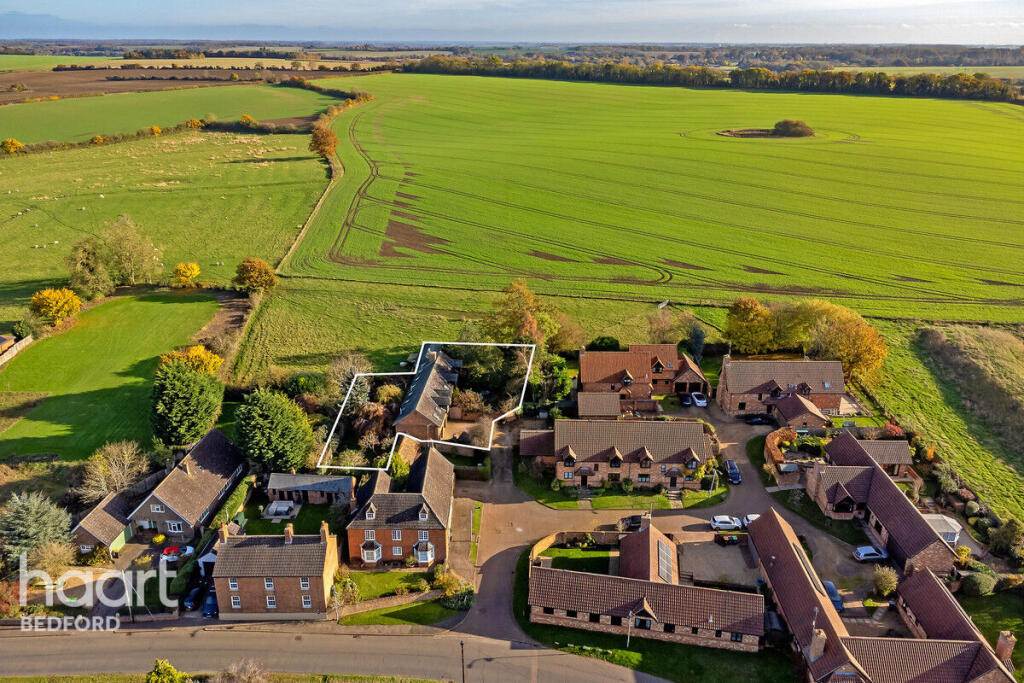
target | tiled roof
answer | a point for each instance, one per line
(935, 608)
(888, 451)
(269, 556)
(108, 519)
(796, 406)
(854, 482)
(686, 606)
(798, 590)
(674, 441)
(914, 660)
(640, 556)
(753, 376)
(598, 404)
(666, 354)
(311, 482)
(533, 442)
(609, 367)
(210, 465)
(430, 392)
(429, 486)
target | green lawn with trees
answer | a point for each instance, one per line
(98, 374)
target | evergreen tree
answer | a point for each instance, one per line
(273, 430)
(28, 521)
(185, 403)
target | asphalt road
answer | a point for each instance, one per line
(299, 650)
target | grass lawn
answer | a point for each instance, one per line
(308, 521)
(845, 530)
(703, 499)
(378, 584)
(637, 500)
(995, 613)
(423, 613)
(98, 374)
(672, 661)
(541, 491)
(580, 560)
(44, 62)
(474, 544)
(755, 453)
(226, 421)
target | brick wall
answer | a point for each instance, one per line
(938, 557)
(418, 426)
(730, 402)
(410, 537)
(628, 470)
(287, 592)
(145, 513)
(683, 634)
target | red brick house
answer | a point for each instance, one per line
(831, 655)
(649, 453)
(391, 522)
(796, 411)
(672, 371)
(892, 455)
(105, 525)
(625, 373)
(181, 504)
(754, 386)
(855, 486)
(275, 577)
(428, 399)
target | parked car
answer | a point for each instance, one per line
(685, 400)
(632, 523)
(726, 523)
(833, 595)
(699, 399)
(733, 470)
(191, 600)
(175, 552)
(210, 609)
(869, 553)
(757, 420)
(748, 519)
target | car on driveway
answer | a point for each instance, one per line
(869, 553)
(685, 400)
(726, 523)
(632, 523)
(191, 600)
(748, 519)
(699, 399)
(833, 595)
(210, 609)
(757, 420)
(733, 470)
(174, 552)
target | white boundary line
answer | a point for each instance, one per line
(419, 359)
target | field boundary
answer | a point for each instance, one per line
(337, 173)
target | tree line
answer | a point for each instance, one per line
(959, 86)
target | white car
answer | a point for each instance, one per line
(867, 553)
(699, 399)
(725, 523)
(748, 519)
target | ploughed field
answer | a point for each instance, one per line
(898, 206)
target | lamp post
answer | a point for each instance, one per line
(462, 650)
(629, 624)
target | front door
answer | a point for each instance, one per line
(583, 480)
(671, 482)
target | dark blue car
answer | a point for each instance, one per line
(210, 609)
(833, 595)
(191, 600)
(733, 471)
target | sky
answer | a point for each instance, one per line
(992, 22)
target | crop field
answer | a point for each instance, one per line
(98, 374)
(44, 62)
(209, 197)
(897, 207)
(1013, 72)
(225, 62)
(83, 117)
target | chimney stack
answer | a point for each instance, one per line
(324, 531)
(1004, 646)
(292, 470)
(187, 466)
(817, 648)
(289, 533)
(222, 533)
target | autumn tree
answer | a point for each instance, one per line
(134, 258)
(842, 334)
(52, 557)
(749, 325)
(324, 141)
(97, 140)
(155, 130)
(248, 121)
(518, 315)
(11, 146)
(195, 124)
(666, 326)
(89, 266)
(55, 305)
(113, 467)
(197, 357)
(569, 337)
(185, 274)
(255, 275)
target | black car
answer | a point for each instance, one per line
(210, 609)
(757, 420)
(632, 523)
(685, 400)
(733, 471)
(191, 600)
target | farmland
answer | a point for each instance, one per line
(44, 62)
(98, 383)
(1015, 73)
(81, 118)
(619, 191)
(209, 197)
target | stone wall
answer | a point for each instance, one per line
(13, 351)
(389, 601)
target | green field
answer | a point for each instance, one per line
(81, 118)
(208, 197)
(1013, 72)
(98, 374)
(995, 613)
(43, 62)
(896, 207)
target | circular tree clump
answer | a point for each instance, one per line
(790, 128)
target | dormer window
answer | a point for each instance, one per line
(371, 512)
(828, 385)
(645, 463)
(616, 463)
(423, 516)
(627, 381)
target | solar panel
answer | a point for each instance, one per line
(665, 562)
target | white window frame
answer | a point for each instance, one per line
(423, 516)
(304, 584)
(567, 475)
(232, 584)
(236, 602)
(174, 527)
(307, 602)
(271, 602)
(86, 549)
(370, 515)
(156, 507)
(396, 551)
(369, 535)
(423, 536)
(396, 534)
(268, 583)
